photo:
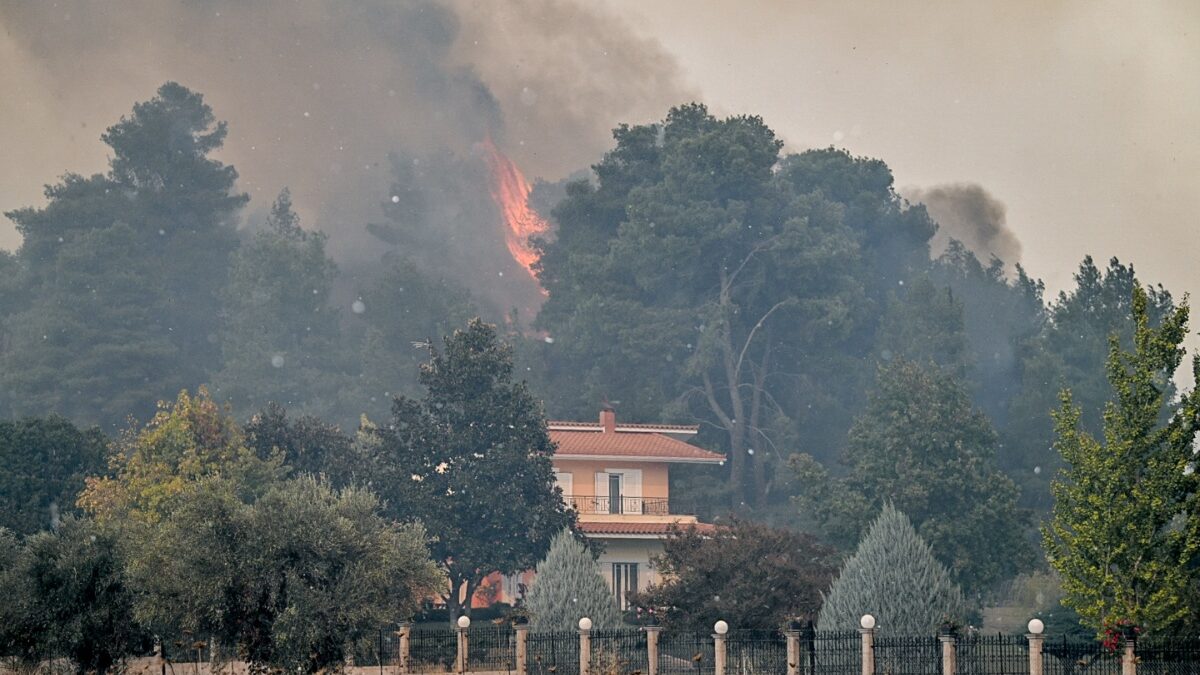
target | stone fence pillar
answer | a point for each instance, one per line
(405, 635)
(1036, 639)
(720, 628)
(585, 645)
(522, 640)
(1128, 660)
(949, 652)
(868, 643)
(460, 663)
(652, 633)
(793, 648)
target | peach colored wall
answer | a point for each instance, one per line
(583, 472)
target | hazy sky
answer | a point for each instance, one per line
(1081, 117)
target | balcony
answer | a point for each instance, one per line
(643, 506)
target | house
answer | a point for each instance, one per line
(615, 476)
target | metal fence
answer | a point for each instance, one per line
(896, 655)
(619, 651)
(685, 653)
(992, 654)
(432, 649)
(754, 652)
(552, 652)
(491, 648)
(1168, 655)
(1063, 656)
(830, 653)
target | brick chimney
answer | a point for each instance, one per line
(608, 420)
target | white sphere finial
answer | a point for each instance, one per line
(585, 624)
(1036, 626)
(721, 627)
(464, 621)
(867, 621)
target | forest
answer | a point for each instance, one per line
(791, 304)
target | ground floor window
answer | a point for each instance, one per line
(625, 582)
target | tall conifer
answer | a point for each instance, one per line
(568, 587)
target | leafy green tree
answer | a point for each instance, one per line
(189, 439)
(568, 586)
(123, 271)
(471, 460)
(919, 444)
(751, 575)
(66, 595)
(43, 462)
(309, 446)
(288, 580)
(93, 346)
(1071, 354)
(280, 337)
(1124, 536)
(924, 324)
(724, 279)
(894, 577)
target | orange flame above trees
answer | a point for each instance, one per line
(510, 190)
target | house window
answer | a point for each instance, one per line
(625, 582)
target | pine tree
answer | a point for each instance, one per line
(894, 577)
(568, 587)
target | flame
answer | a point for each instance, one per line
(510, 191)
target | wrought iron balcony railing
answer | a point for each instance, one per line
(650, 506)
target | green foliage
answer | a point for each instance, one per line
(924, 324)
(703, 276)
(309, 446)
(471, 460)
(289, 580)
(280, 337)
(1124, 535)
(191, 439)
(43, 462)
(66, 595)
(122, 272)
(1071, 354)
(920, 445)
(568, 586)
(894, 577)
(751, 575)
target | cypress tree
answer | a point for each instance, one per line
(893, 576)
(568, 586)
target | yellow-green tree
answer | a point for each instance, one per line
(188, 439)
(1125, 534)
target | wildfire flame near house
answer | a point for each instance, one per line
(510, 191)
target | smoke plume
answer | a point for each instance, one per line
(326, 96)
(968, 213)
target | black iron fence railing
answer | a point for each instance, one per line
(432, 649)
(992, 654)
(750, 652)
(1063, 656)
(1168, 655)
(650, 506)
(685, 653)
(553, 652)
(619, 651)
(491, 648)
(895, 655)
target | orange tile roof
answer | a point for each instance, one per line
(640, 528)
(643, 444)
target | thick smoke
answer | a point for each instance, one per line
(326, 96)
(968, 213)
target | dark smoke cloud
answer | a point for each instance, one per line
(968, 213)
(321, 94)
